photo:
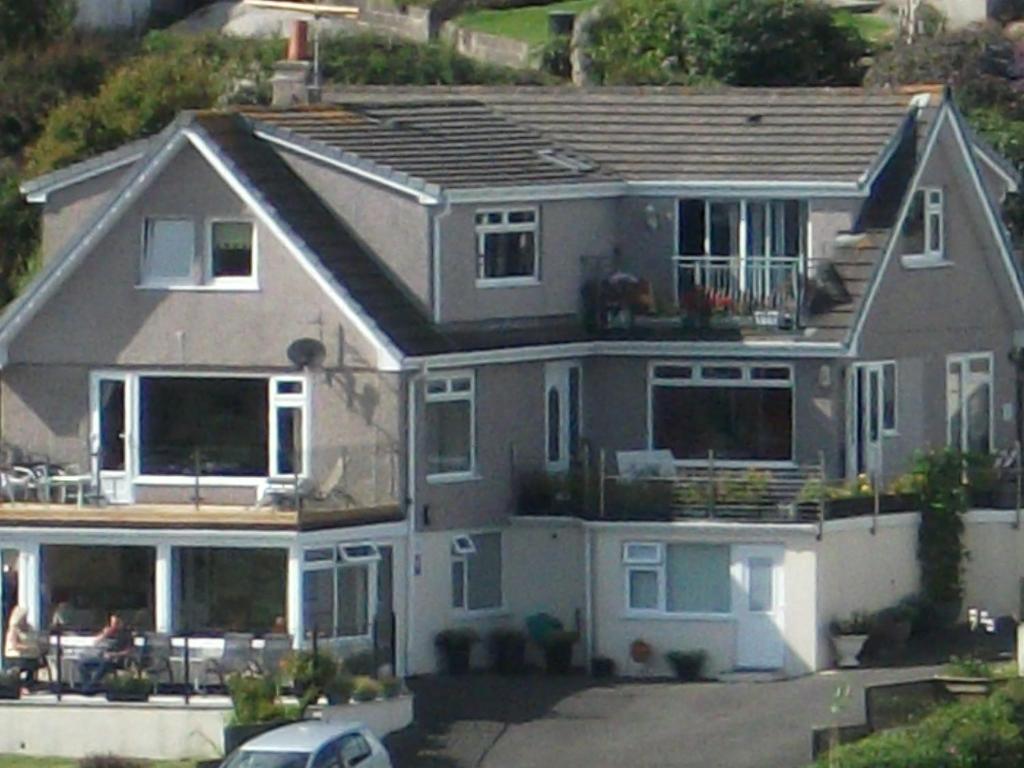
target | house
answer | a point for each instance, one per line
(344, 364)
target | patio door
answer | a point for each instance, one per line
(8, 588)
(870, 416)
(757, 605)
(562, 394)
(111, 436)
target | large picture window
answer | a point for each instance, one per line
(969, 402)
(738, 412)
(506, 242)
(339, 590)
(450, 425)
(678, 578)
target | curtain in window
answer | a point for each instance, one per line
(697, 578)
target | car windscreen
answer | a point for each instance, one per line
(259, 759)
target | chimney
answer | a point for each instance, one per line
(292, 80)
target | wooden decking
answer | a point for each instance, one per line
(185, 516)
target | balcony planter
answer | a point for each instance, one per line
(128, 687)
(861, 506)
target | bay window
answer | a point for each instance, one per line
(740, 412)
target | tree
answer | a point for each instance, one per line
(30, 22)
(737, 42)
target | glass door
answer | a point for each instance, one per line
(562, 401)
(111, 443)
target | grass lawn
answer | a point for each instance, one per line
(529, 24)
(873, 27)
(20, 761)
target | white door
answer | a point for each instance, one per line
(562, 394)
(111, 436)
(758, 606)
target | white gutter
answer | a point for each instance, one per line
(40, 195)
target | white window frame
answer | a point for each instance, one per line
(933, 212)
(464, 611)
(248, 283)
(451, 395)
(482, 230)
(289, 400)
(697, 379)
(964, 359)
(145, 281)
(660, 569)
(337, 564)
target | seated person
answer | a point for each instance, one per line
(114, 648)
(22, 647)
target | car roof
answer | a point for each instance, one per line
(306, 736)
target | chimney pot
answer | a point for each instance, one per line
(298, 43)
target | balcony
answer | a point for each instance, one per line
(739, 290)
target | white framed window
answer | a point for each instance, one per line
(563, 412)
(463, 545)
(678, 579)
(168, 252)
(339, 590)
(969, 398)
(450, 427)
(924, 228)
(890, 397)
(477, 576)
(743, 412)
(507, 246)
(231, 253)
(289, 426)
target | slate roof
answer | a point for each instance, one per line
(674, 134)
(450, 143)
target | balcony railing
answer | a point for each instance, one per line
(764, 290)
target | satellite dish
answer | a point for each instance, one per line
(306, 353)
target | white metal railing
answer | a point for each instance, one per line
(738, 286)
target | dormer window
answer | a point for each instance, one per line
(923, 228)
(231, 251)
(506, 247)
(169, 250)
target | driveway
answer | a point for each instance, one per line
(541, 722)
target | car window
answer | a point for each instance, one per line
(354, 750)
(327, 757)
(259, 759)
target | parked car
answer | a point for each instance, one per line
(312, 743)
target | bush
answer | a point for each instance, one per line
(339, 689)
(391, 687)
(130, 683)
(968, 666)
(25, 23)
(254, 699)
(366, 689)
(738, 42)
(310, 671)
(109, 761)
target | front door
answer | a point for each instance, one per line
(110, 442)
(757, 602)
(864, 419)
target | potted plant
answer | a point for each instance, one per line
(255, 709)
(391, 687)
(127, 685)
(849, 636)
(640, 651)
(558, 647)
(366, 689)
(601, 667)
(10, 684)
(507, 648)
(686, 664)
(455, 645)
(311, 674)
(339, 688)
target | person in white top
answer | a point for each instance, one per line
(22, 649)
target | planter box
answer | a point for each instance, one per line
(848, 648)
(9, 693)
(861, 506)
(382, 717)
(126, 696)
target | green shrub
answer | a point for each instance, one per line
(391, 687)
(311, 671)
(967, 666)
(128, 682)
(254, 699)
(339, 689)
(366, 689)
(109, 761)
(25, 23)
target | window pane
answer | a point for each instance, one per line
(170, 250)
(934, 232)
(224, 589)
(760, 588)
(554, 425)
(231, 249)
(318, 602)
(913, 225)
(353, 601)
(691, 227)
(485, 572)
(112, 424)
(697, 578)
(508, 254)
(953, 401)
(85, 584)
(521, 217)
(449, 436)
(737, 423)
(889, 396)
(725, 229)
(289, 440)
(979, 409)
(220, 422)
(673, 372)
(643, 589)
(574, 413)
(757, 229)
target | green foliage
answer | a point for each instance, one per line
(254, 699)
(857, 623)
(556, 56)
(339, 689)
(371, 60)
(309, 670)
(109, 761)
(391, 687)
(366, 689)
(24, 23)
(19, 231)
(738, 42)
(983, 733)
(968, 666)
(940, 550)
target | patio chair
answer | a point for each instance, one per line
(156, 656)
(17, 480)
(276, 649)
(236, 657)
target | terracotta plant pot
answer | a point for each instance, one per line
(640, 651)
